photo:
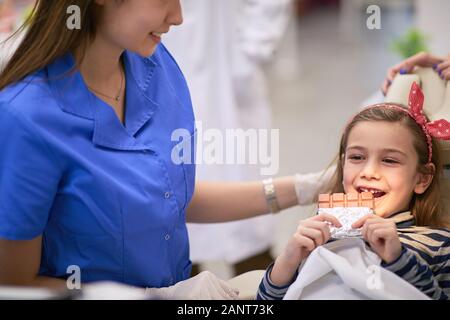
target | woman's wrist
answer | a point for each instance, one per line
(285, 190)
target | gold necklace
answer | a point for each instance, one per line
(117, 97)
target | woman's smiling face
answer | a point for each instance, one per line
(380, 157)
(138, 25)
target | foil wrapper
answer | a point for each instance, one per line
(346, 216)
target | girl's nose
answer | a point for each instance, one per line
(370, 171)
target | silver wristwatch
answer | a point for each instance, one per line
(271, 196)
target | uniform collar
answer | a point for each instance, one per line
(69, 88)
(73, 97)
(403, 219)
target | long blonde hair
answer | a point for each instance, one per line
(427, 208)
(48, 38)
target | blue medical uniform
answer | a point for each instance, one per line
(107, 197)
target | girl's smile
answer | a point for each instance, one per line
(380, 158)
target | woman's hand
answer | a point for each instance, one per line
(422, 59)
(443, 69)
(382, 236)
(310, 234)
(204, 286)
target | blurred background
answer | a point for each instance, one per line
(325, 65)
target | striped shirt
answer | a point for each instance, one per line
(424, 261)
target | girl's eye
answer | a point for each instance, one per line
(355, 157)
(390, 161)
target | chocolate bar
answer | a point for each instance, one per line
(347, 208)
(364, 199)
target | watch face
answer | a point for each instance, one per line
(271, 197)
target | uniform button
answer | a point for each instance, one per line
(167, 237)
(167, 195)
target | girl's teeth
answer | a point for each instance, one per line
(376, 193)
(373, 191)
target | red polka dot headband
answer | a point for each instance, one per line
(439, 129)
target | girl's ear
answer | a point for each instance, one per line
(424, 179)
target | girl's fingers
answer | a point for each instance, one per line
(313, 234)
(305, 242)
(327, 218)
(380, 236)
(319, 225)
(370, 226)
(359, 223)
(381, 233)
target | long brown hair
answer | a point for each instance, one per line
(427, 208)
(47, 37)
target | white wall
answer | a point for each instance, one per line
(432, 17)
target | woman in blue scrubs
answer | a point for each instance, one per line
(87, 177)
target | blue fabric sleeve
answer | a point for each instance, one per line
(29, 177)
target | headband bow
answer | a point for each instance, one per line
(439, 129)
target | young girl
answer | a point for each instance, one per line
(391, 151)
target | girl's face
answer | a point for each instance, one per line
(380, 158)
(138, 25)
